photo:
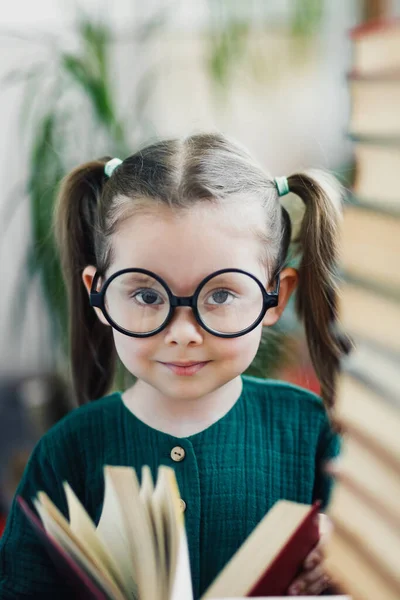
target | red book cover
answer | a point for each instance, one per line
(371, 27)
(84, 587)
(2, 524)
(288, 563)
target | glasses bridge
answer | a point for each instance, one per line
(182, 301)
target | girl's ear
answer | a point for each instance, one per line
(288, 282)
(87, 278)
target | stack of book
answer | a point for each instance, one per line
(364, 553)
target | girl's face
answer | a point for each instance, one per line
(183, 249)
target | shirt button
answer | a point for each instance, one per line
(178, 453)
(182, 505)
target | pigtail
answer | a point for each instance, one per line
(317, 293)
(92, 352)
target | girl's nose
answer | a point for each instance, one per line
(184, 329)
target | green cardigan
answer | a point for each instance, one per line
(270, 445)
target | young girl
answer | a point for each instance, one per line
(174, 259)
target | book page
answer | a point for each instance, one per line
(111, 528)
(147, 485)
(161, 528)
(166, 507)
(58, 527)
(83, 527)
(146, 494)
(177, 552)
(181, 588)
(152, 501)
(139, 532)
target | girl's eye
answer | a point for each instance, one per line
(148, 297)
(221, 298)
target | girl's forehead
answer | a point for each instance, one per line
(185, 246)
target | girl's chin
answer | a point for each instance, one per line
(185, 388)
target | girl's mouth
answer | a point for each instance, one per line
(185, 369)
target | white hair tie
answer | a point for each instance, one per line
(111, 165)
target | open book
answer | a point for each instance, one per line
(139, 549)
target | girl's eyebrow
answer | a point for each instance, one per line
(221, 279)
(139, 278)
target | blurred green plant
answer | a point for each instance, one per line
(306, 17)
(233, 26)
(57, 137)
(60, 136)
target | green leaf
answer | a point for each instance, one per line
(306, 18)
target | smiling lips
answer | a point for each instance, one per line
(189, 368)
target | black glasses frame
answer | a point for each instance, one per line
(270, 300)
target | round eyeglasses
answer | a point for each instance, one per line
(228, 303)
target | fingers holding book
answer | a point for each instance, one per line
(313, 580)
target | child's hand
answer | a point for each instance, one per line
(313, 580)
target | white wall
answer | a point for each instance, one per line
(295, 118)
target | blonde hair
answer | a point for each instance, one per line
(179, 173)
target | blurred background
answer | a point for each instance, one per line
(87, 78)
